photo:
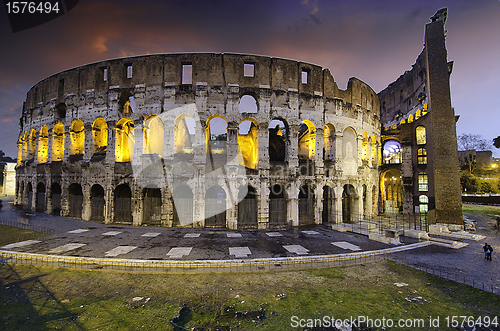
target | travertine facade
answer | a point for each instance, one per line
(217, 140)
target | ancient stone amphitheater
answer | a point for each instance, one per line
(200, 139)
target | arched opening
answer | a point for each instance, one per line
(350, 151)
(392, 152)
(183, 206)
(31, 144)
(423, 206)
(307, 140)
(277, 140)
(43, 145)
(248, 209)
(248, 104)
(216, 142)
(58, 142)
(329, 143)
(277, 207)
(365, 148)
(77, 138)
(40, 198)
(124, 147)
(306, 205)
(99, 135)
(421, 135)
(349, 204)
(374, 150)
(123, 204)
(25, 146)
(151, 214)
(153, 136)
(19, 150)
(75, 200)
(184, 136)
(29, 198)
(215, 207)
(126, 103)
(97, 203)
(392, 191)
(328, 215)
(55, 196)
(248, 144)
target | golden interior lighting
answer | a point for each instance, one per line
(247, 145)
(124, 149)
(99, 135)
(43, 145)
(77, 138)
(32, 144)
(58, 142)
(153, 136)
(183, 143)
(307, 141)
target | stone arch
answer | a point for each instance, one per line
(391, 189)
(29, 196)
(40, 198)
(350, 212)
(183, 206)
(216, 135)
(99, 135)
(75, 200)
(57, 142)
(329, 142)
(215, 207)
(184, 135)
(43, 145)
(278, 137)
(77, 138)
(126, 103)
(123, 204)
(97, 203)
(277, 206)
(153, 135)
(32, 144)
(124, 147)
(307, 140)
(392, 151)
(350, 151)
(55, 197)
(248, 208)
(25, 146)
(328, 213)
(248, 143)
(151, 206)
(248, 104)
(306, 204)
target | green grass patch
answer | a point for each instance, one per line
(11, 234)
(482, 210)
(35, 298)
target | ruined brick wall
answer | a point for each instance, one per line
(64, 163)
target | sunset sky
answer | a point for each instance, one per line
(375, 41)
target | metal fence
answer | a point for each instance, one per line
(453, 276)
(28, 226)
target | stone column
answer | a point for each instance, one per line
(88, 147)
(293, 147)
(263, 204)
(111, 143)
(67, 143)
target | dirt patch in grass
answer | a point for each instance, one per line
(35, 298)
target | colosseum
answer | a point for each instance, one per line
(238, 141)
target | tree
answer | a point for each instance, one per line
(496, 142)
(471, 143)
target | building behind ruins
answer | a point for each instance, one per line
(239, 141)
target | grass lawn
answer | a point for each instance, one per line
(481, 210)
(11, 234)
(36, 298)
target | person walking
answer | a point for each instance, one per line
(485, 249)
(489, 250)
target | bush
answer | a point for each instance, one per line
(469, 182)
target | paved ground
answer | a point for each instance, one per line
(80, 238)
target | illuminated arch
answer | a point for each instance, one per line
(365, 149)
(329, 142)
(31, 144)
(421, 135)
(248, 143)
(392, 152)
(307, 140)
(99, 135)
(153, 136)
(418, 114)
(58, 142)
(77, 138)
(184, 134)
(410, 118)
(25, 146)
(124, 147)
(43, 145)
(391, 189)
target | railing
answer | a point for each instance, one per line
(28, 226)
(453, 276)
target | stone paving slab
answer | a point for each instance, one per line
(65, 248)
